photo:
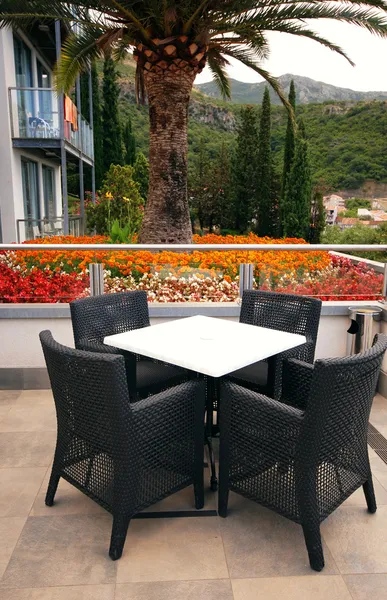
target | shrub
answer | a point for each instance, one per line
(119, 200)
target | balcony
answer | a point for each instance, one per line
(35, 123)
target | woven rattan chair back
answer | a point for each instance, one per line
(285, 312)
(99, 316)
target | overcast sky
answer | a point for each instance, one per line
(290, 54)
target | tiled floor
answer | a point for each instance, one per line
(60, 553)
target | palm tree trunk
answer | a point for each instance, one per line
(166, 218)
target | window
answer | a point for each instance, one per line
(45, 98)
(23, 63)
(24, 79)
(30, 184)
(48, 191)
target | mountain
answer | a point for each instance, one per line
(347, 138)
(308, 91)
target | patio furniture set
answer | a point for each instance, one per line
(136, 403)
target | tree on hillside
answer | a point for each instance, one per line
(210, 190)
(173, 41)
(129, 143)
(141, 174)
(297, 201)
(317, 222)
(265, 210)
(112, 134)
(289, 148)
(244, 168)
(97, 123)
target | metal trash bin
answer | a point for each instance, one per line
(363, 328)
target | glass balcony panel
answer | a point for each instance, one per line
(34, 113)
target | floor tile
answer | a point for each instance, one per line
(175, 590)
(27, 449)
(379, 469)
(358, 499)
(364, 587)
(184, 500)
(10, 530)
(68, 501)
(9, 396)
(330, 587)
(173, 549)
(357, 539)
(34, 397)
(260, 543)
(22, 417)
(58, 551)
(87, 592)
(18, 490)
(4, 410)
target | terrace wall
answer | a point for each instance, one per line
(22, 362)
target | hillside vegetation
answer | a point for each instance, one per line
(347, 140)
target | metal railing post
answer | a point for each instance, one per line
(245, 278)
(96, 279)
(384, 290)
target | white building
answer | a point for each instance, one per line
(36, 139)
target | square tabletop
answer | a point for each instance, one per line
(207, 345)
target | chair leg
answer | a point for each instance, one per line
(118, 537)
(199, 494)
(369, 494)
(314, 546)
(52, 486)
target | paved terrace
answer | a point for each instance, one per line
(60, 553)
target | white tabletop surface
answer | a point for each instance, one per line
(206, 345)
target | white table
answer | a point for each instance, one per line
(214, 347)
(207, 345)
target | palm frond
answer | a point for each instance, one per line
(78, 51)
(245, 57)
(217, 63)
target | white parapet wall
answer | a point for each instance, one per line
(22, 362)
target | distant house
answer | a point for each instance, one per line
(334, 199)
(331, 214)
(347, 222)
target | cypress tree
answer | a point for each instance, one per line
(297, 202)
(264, 199)
(317, 224)
(112, 135)
(129, 143)
(97, 124)
(244, 169)
(289, 146)
(141, 174)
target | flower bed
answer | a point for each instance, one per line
(198, 276)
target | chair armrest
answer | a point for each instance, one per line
(257, 408)
(256, 430)
(297, 377)
(169, 427)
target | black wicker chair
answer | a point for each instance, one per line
(285, 312)
(302, 463)
(97, 317)
(124, 456)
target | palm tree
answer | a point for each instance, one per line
(172, 41)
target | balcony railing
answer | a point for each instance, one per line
(38, 228)
(34, 115)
